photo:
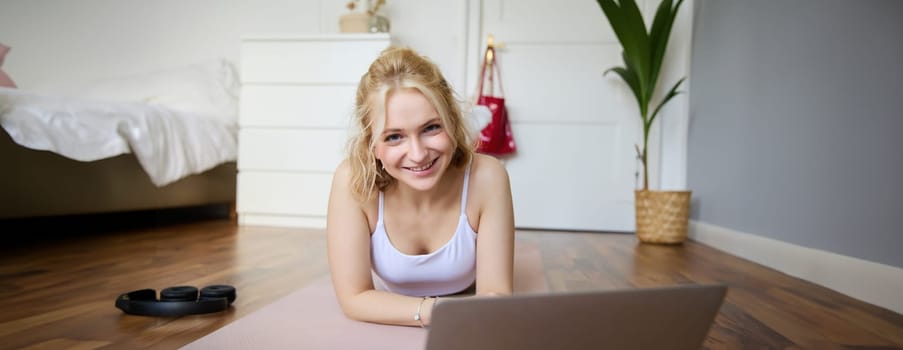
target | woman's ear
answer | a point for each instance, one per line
(375, 152)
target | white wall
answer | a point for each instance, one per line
(65, 40)
(795, 139)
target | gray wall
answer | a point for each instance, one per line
(796, 122)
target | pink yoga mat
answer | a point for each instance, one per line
(310, 318)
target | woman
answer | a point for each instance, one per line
(413, 209)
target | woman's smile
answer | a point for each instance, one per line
(423, 170)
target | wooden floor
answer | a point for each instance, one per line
(58, 283)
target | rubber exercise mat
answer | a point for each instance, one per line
(310, 318)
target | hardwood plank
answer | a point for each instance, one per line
(58, 283)
(70, 344)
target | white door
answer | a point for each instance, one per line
(575, 128)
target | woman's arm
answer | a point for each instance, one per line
(348, 249)
(495, 237)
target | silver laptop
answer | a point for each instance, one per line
(677, 317)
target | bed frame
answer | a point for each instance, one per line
(40, 183)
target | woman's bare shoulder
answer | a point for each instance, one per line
(488, 181)
(342, 188)
(488, 171)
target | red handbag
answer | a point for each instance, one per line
(496, 138)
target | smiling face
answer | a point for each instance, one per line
(424, 121)
(413, 146)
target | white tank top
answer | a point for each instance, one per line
(448, 270)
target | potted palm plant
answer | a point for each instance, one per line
(661, 216)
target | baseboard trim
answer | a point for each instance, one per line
(316, 222)
(868, 281)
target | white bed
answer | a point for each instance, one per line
(154, 140)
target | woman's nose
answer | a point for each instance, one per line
(418, 151)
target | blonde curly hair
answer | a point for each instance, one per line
(399, 68)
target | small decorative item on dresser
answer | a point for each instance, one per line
(378, 24)
(354, 21)
(368, 20)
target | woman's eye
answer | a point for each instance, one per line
(393, 138)
(432, 128)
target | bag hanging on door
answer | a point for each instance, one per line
(496, 138)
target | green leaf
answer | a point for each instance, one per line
(641, 97)
(630, 78)
(659, 34)
(671, 93)
(627, 23)
(636, 37)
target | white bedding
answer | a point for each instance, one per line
(169, 143)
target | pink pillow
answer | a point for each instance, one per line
(5, 80)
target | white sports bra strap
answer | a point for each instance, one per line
(464, 195)
(379, 217)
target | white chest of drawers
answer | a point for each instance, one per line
(296, 103)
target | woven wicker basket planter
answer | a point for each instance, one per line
(662, 216)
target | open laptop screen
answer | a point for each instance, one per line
(677, 317)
